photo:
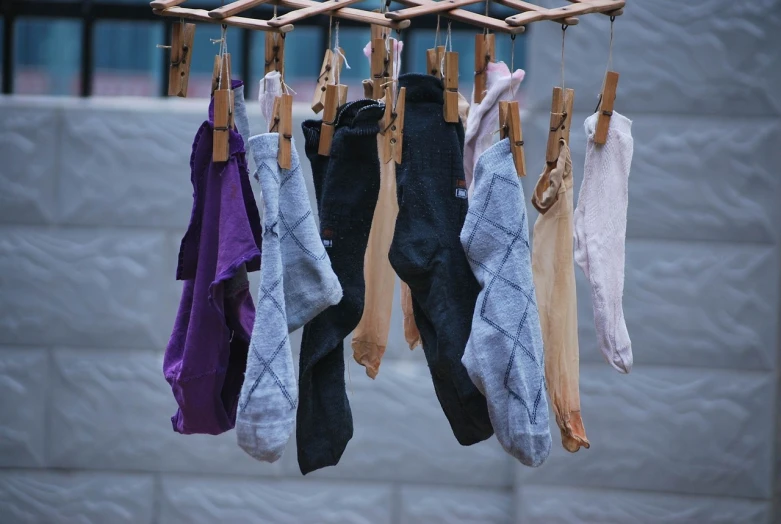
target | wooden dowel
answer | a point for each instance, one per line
(235, 8)
(527, 6)
(426, 9)
(468, 17)
(165, 4)
(593, 6)
(348, 13)
(307, 12)
(236, 21)
(617, 12)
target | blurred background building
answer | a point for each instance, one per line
(95, 195)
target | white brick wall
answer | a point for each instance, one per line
(94, 197)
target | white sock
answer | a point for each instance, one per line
(600, 234)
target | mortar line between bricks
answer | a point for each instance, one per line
(396, 502)
(532, 110)
(603, 489)
(640, 365)
(177, 231)
(48, 407)
(157, 489)
(205, 475)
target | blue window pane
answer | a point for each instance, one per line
(127, 60)
(47, 56)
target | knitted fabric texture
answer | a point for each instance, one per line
(370, 337)
(309, 281)
(269, 394)
(206, 355)
(600, 234)
(504, 356)
(554, 280)
(270, 88)
(484, 117)
(371, 334)
(427, 255)
(347, 193)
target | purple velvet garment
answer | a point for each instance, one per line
(207, 353)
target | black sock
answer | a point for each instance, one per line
(347, 195)
(426, 251)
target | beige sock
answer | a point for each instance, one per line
(371, 335)
(554, 279)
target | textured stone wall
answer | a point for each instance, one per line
(94, 197)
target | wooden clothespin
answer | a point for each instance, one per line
(605, 108)
(275, 53)
(510, 127)
(392, 126)
(282, 123)
(434, 60)
(451, 87)
(182, 37)
(381, 64)
(223, 112)
(334, 93)
(328, 74)
(560, 122)
(285, 129)
(216, 70)
(485, 52)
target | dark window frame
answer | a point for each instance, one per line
(90, 12)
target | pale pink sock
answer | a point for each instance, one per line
(600, 234)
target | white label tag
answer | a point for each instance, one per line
(460, 193)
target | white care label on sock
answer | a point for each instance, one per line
(328, 235)
(460, 193)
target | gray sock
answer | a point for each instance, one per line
(269, 395)
(240, 114)
(309, 281)
(504, 356)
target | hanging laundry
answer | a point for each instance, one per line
(600, 234)
(411, 332)
(296, 284)
(370, 337)
(427, 255)
(206, 355)
(554, 280)
(504, 355)
(347, 185)
(483, 116)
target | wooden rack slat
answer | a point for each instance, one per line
(237, 21)
(593, 6)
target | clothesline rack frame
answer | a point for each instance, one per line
(528, 13)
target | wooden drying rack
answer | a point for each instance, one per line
(399, 19)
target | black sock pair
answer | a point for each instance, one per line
(426, 251)
(346, 186)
